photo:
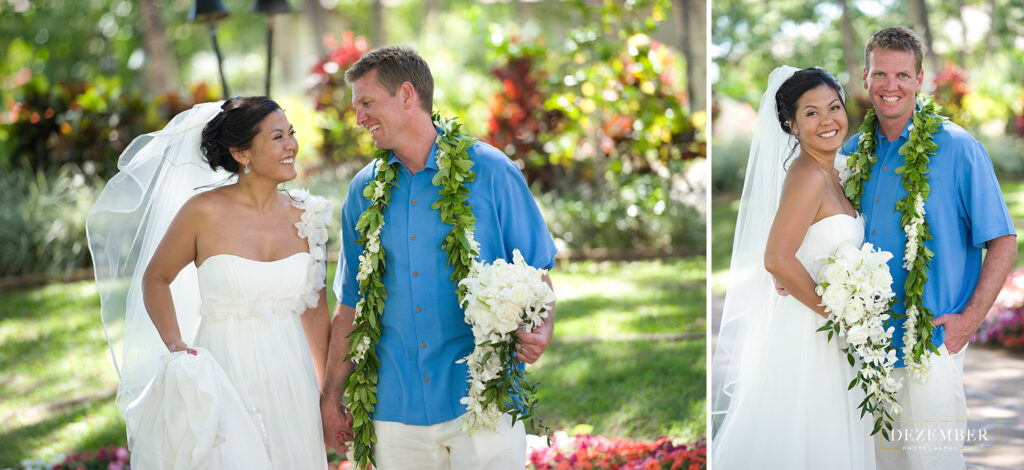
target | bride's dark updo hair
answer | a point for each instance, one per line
(795, 86)
(235, 127)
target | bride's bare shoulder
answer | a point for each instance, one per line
(207, 204)
(806, 175)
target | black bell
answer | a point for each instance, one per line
(271, 7)
(208, 11)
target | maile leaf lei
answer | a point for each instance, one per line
(454, 171)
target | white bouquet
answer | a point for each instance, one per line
(856, 290)
(500, 298)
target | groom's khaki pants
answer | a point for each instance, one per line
(929, 434)
(444, 447)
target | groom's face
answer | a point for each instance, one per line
(379, 111)
(892, 82)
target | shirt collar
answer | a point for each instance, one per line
(905, 135)
(431, 157)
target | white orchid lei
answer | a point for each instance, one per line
(454, 171)
(501, 297)
(917, 152)
(856, 290)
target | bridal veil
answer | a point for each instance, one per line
(159, 172)
(750, 286)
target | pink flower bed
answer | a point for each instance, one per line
(107, 458)
(585, 451)
(1004, 323)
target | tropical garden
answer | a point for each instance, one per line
(600, 103)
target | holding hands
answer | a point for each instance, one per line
(337, 423)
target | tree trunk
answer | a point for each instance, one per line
(963, 34)
(378, 24)
(850, 52)
(161, 68)
(993, 30)
(919, 20)
(317, 16)
(694, 16)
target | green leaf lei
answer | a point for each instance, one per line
(917, 154)
(454, 171)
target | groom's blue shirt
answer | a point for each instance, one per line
(424, 330)
(964, 210)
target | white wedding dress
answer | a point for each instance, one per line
(791, 408)
(249, 398)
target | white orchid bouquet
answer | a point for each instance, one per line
(856, 290)
(500, 298)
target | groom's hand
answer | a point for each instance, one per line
(533, 343)
(958, 330)
(337, 423)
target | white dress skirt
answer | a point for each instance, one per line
(791, 408)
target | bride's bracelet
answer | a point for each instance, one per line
(174, 344)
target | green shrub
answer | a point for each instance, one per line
(42, 222)
(729, 164)
(630, 211)
(1005, 152)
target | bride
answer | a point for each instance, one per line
(780, 397)
(229, 280)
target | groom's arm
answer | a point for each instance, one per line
(337, 422)
(999, 259)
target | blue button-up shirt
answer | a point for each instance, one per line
(964, 210)
(424, 330)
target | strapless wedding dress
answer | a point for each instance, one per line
(792, 409)
(249, 398)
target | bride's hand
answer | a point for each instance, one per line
(179, 345)
(778, 288)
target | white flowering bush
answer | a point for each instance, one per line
(500, 298)
(856, 290)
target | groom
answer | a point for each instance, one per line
(420, 385)
(966, 214)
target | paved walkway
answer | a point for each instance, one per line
(994, 384)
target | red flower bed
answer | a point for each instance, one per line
(598, 452)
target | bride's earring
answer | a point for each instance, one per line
(246, 171)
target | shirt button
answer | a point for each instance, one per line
(426, 379)
(413, 237)
(885, 168)
(872, 232)
(414, 202)
(423, 345)
(415, 273)
(418, 309)
(877, 199)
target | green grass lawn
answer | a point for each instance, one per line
(58, 383)
(724, 208)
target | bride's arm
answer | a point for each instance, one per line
(316, 322)
(176, 250)
(337, 421)
(801, 197)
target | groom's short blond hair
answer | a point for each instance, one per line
(895, 38)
